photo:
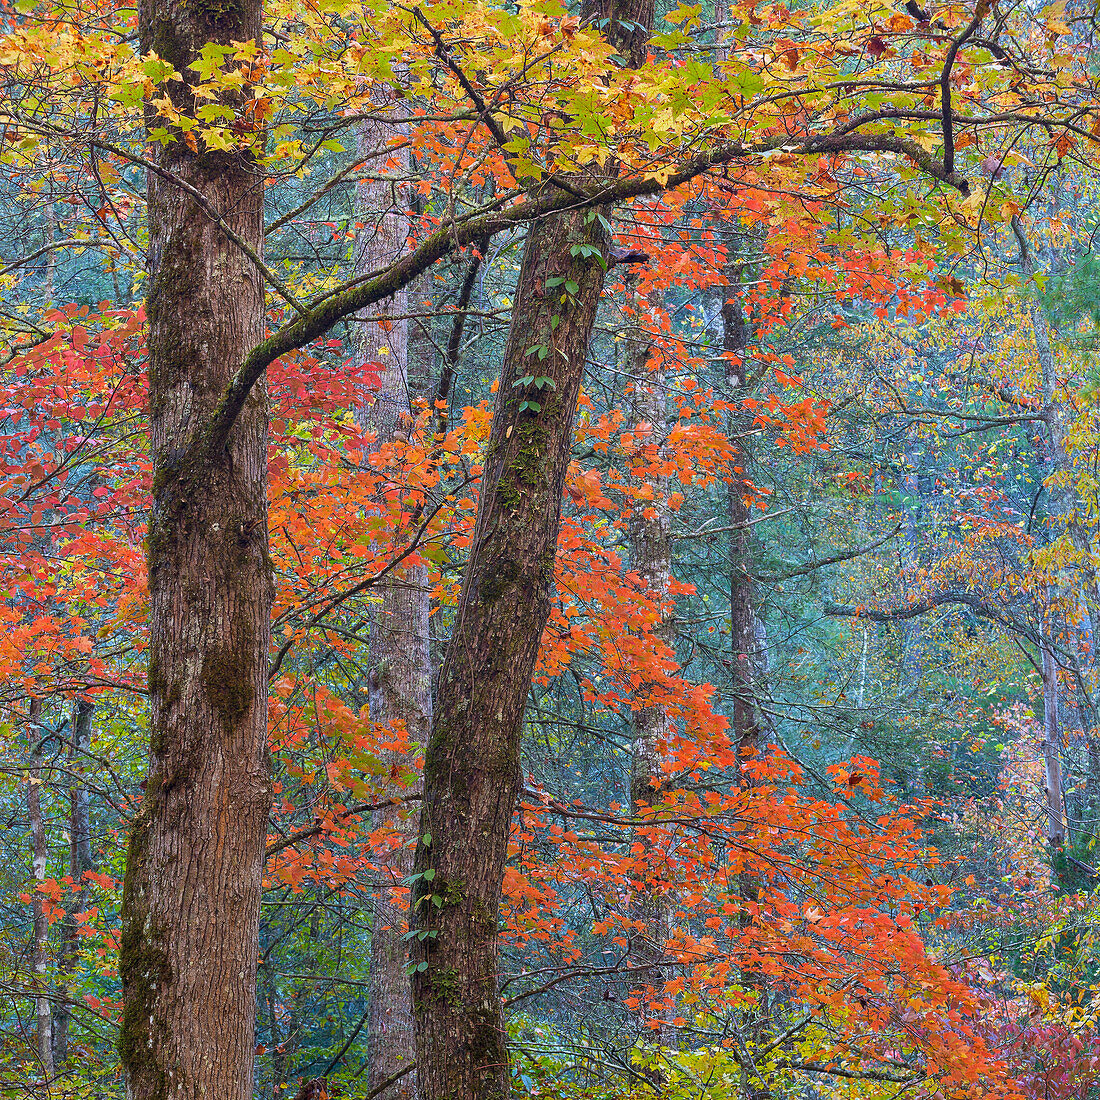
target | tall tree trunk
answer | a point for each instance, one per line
(651, 556)
(913, 639)
(399, 660)
(191, 896)
(471, 773)
(743, 641)
(1053, 456)
(80, 860)
(747, 660)
(40, 948)
(472, 763)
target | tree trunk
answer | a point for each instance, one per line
(1054, 458)
(399, 661)
(40, 950)
(80, 832)
(1052, 743)
(80, 860)
(743, 656)
(471, 773)
(472, 763)
(747, 660)
(651, 555)
(191, 896)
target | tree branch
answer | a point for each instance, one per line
(930, 603)
(317, 320)
(844, 555)
(945, 84)
(318, 828)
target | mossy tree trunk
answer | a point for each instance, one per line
(472, 762)
(471, 774)
(191, 898)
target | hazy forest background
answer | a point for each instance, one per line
(778, 777)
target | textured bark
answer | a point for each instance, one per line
(399, 662)
(471, 771)
(191, 897)
(472, 762)
(40, 946)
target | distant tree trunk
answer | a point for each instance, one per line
(1052, 743)
(399, 662)
(1053, 456)
(651, 555)
(472, 763)
(297, 1000)
(80, 834)
(265, 992)
(191, 896)
(743, 655)
(80, 860)
(40, 950)
(747, 660)
(913, 638)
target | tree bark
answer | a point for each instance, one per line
(191, 895)
(40, 950)
(399, 660)
(471, 773)
(80, 829)
(472, 762)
